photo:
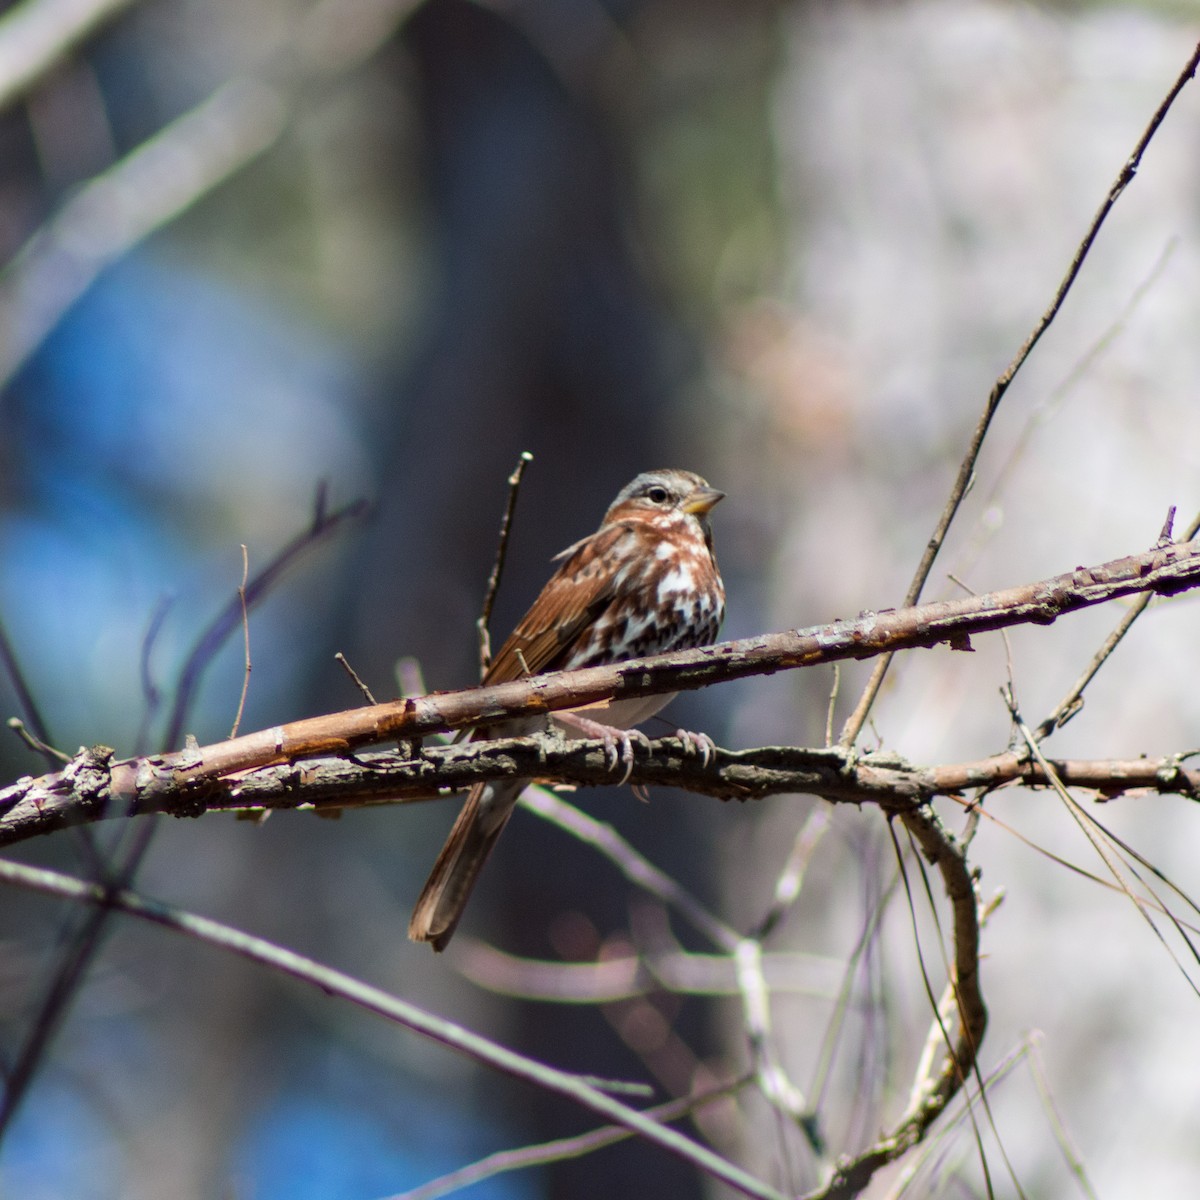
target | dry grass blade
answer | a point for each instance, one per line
(1111, 861)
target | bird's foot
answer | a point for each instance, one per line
(697, 743)
(618, 743)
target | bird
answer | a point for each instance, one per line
(645, 582)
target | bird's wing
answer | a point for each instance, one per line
(568, 605)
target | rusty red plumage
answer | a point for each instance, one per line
(645, 582)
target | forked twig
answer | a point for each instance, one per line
(1072, 702)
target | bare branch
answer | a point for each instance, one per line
(85, 791)
(39, 34)
(493, 583)
(335, 983)
(168, 173)
(1164, 570)
(95, 785)
(1072, 702)
(570, 1147)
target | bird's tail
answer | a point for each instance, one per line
(448, 888)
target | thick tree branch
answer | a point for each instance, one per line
(310, 766)
(83, 792)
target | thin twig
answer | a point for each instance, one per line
(344, 663)
(966, 471)
(493, 584)
(1166, 537)
(237, 720)
(986, 524)
(631, 863)
(833, 698)
(324, 525)
(1072, 702)
(151, 693)
(35, 743)
(28, 705)
(563, 1148)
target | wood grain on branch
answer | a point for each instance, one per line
(83, 791)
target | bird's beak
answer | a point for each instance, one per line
(702, 500)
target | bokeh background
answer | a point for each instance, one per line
(259, 246)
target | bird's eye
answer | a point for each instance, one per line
(657, 495)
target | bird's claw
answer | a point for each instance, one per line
(624, 738)
(618, 743)
(697, 743)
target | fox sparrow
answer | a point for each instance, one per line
(645, 582)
